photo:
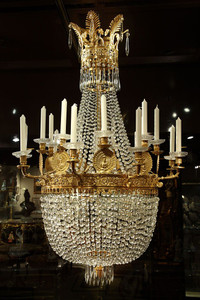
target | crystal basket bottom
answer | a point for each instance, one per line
(99, 230)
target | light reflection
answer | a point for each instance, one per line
(15, 139)
(14, 111)
(186, 109)
(190, 137)
(174, 115)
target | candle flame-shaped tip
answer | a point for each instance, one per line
(157, 106)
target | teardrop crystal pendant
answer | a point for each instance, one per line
(119, 86)
(127, 44)
(70, 38)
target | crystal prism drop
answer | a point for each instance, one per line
(70, 39)
(119, 86)
(127, 44)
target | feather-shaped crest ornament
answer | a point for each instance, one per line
(116, 23)
(92, 17)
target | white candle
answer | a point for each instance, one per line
(172, 139)
(63, 121)
(178, 135)
(138, 137)
(73, 123)
(144, 117)
(43, 123)
(56, 132)
(23, 133)
(103, 113)
(51, 127)
(26, 135)
(156, 123)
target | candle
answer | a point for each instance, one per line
(43, 123)
(51, 127)
(23, 133)
(144, 117)
(63, 121)
(73, 123)
(178, 135)
(172, 139)
(156, 123)
(103, 113)
(138, 137)
(56, 132)
(26, 135)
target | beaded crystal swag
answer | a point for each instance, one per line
(99, 195)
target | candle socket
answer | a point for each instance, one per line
(156, 150)
(61, 145)
(103, 142)
(138, 156)
(145, 143)
(73, 154)
(23, 160)
(42, 148)
(172, 164)
(23, 163)
(62, 142)
(179, 162)
(50, 151)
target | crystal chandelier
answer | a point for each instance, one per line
(99, 195)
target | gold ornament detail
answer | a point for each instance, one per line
(147, 163)
(104, 161)
(59, 162)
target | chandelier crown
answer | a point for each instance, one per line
(99, 50)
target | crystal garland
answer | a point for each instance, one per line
(88, 124)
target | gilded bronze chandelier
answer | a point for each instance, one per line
(99, 195)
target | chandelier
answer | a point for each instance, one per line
(99, 195)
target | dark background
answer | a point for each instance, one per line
(37, 68)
